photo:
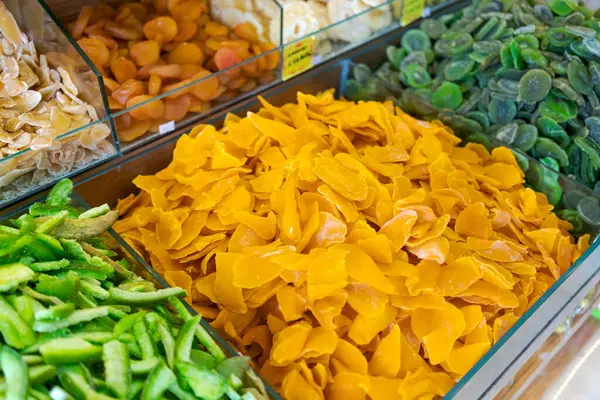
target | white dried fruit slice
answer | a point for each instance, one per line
(320, 10)
(377, 18)
(299, 21)
(9, 27)
(27, 101)
(268, 8)
(229, 16)
(349, 30)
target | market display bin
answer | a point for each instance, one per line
(495, 370)
(54, 121)
(138, 265)
(165, 68)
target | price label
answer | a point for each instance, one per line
(298, 57)
(166, 127)
(411, 10)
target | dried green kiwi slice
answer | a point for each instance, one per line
(534, 86)
(545, 147)
(415, 40)
(433, 28)
(593, 125)
(507, 134)
(417, 76)
(502, 112)
(589, 210)
(447, 96)
(459, 69)
(551, 129)
(526, 137)
(556, 108)
(579, 77)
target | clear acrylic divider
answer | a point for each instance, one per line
(55, 124)
(166, 68)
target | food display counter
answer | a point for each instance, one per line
(352, 142)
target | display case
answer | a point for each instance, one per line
(268, 40)
(165, 67)
(500, 364)
(53, 112)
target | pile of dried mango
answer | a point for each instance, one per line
(349, 249)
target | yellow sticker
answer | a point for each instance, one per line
(298, 57)
(411, 10)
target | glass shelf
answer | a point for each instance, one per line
(495, 370)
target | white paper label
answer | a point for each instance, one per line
(166, 127)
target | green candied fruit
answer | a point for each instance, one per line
(534, 86)
(417, 76)
(447, 96)
(415, 40)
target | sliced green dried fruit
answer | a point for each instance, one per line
(593, 125)
(434, 29)
(502, 112)
(579, 77)
(417, 76)
(534, 86)
(507, 134)
(589, 210)
(447, 96)
(558, 109)
(522, 160)
(480, 117)
(526, 137)
(561, 7)
(458, 70)
(551, 129)
(415, 40)
(545, 147)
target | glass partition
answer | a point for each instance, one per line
(52, 113)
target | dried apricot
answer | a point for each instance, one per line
(146, 107)
(216, 29)
(135, 130)
(154, 85)
(246, 31)
(226, 57)
(146, 52)
(95, 50)
(176, 109)
(123, 68)
(188, 10)
(186, 30)
(82, 21)
(123, 32)
(186, 53)
(207, 87)
(164, 28)
(169, 71)
(130, 88)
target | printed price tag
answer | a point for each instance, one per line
(298, 57)
(411, 10)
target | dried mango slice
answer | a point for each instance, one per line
(225, 291)
(363, 329)
(366, 301)
(288, 343)
(296, 387)
(386, 359)
(291, 304)
(348, 385)
(461, 359)
(320, 341)
(347, 183)
(473, 221)
(421, 384)
(350, 357)
(323, 282)
(440, 329)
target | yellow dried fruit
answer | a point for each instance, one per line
(352, 251)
